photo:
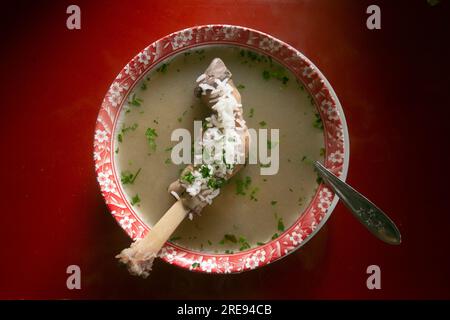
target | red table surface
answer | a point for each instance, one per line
(393, 84)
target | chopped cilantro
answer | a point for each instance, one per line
(318, 122)
(188, 177)
(243, 243)
(195, 265)
(128, 178)
(263, 124)
(216, 183)
(253, 194)
(151, 136)
(247, 182)
(271, 144)
(322, 152)
(242, 185)
(241, 86)
(135, 101)
(276, 74)
(163, 68)
(319, 179)
(230, 237)
(125, 130)
(275, 235)
(204, 170)
(174, 238)
(280, 225)
(273, 203)
(135, 199)
(251, 113)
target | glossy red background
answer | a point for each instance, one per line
(393, 84)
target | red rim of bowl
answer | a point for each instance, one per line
(325, 100)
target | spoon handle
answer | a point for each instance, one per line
(375, 220)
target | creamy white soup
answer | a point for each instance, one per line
(252, 208)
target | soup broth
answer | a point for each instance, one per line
(251, 208)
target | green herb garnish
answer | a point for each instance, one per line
(241, 86)
(216, 183)
(277, 74)
(135, 199)
(322, 152)
(128, 178)
(151, 137)
(163, 68)
(318, 122)
(230, 237)
(253, 194)
(273, 203)
(195, 265)
(244, 244)
(242, 185)
(251, 113)
(280, 225)
(271, 144)
(135, 101)
(247, 182)
(125, 130)
(263, 124)
(188, 177)
(204, 170)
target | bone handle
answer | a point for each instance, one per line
(139, 257)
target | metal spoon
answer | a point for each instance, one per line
(375, 220)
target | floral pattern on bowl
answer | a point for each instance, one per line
(335, 135)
